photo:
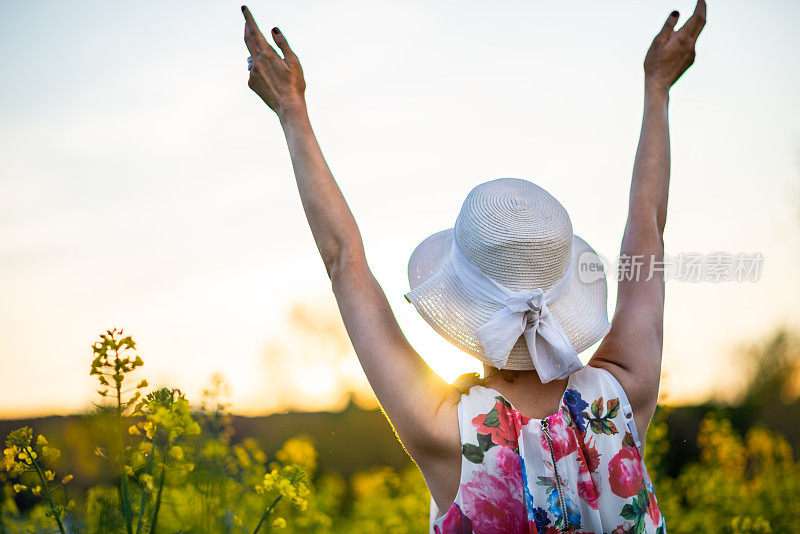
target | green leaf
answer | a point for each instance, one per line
(597, 406)
(609, 428)
(473, 453)
(628, 512)
(641, 501)
(503, 401)
(485, 442)
(492, 419)
(596, 426)
(627, 441)
(567, 416)
(612, 407)
(547, 482)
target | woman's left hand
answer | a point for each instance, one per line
(278, 81)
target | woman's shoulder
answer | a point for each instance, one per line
(594, 379)
(475, 396)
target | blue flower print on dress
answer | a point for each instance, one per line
(528, 496)
(576, 406)
(573, 513)
(540, 519)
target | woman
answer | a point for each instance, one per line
(542, 443)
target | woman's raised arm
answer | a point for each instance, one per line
(632, 349)
(420, 405)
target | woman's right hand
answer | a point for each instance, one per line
(278, 81)
(672, 52)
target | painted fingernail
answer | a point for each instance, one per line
(674, 14)
(276, 31)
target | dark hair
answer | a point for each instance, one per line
(506, 374)
(466, 381)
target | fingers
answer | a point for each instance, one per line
(283, 44)
(696, 22)
(669, 25)
(253, 38)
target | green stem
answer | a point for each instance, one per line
(49, 496)
(2, 523)
(148, 470)
(158, 499)
(124, 497)
(126, 505)
(266, 513)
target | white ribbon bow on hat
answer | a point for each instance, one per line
(524, 313)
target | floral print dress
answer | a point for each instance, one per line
(578, 470)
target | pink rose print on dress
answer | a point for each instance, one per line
(625, 473)
(588, 492)
(494, 503)
(505, 464)
(589, 481)
(455, 522)
(652, 508)
(502, 423)
(564, 442)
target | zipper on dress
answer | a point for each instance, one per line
(561, 501)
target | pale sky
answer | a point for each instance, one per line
(143, 185)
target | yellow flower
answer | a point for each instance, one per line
(129, 470)
(133, 430)
(269, 483)
(279, 522)
(18, 488)
(298, 451)
(148, 429)
(238, 521)
(37, 490)
(11, 453)
(50, 453)
(66, 479)
(41, 441)
(147, 480)
(242, 456)
(176, 452)
(49, 475)
(285, 487)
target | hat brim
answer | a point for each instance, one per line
(456, 314)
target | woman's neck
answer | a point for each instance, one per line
(526, 391)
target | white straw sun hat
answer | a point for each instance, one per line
(508, 284)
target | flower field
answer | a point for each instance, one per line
(160, 464)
